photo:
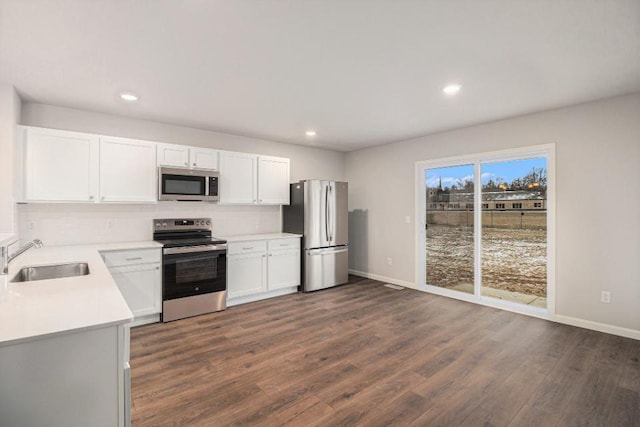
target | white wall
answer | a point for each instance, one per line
(9, 116)
(78, 223)
(598, 201)
(69, 224)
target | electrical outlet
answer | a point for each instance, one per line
(389, 261)
(605, 297)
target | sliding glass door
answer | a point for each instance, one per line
(514, 230)
(486, 226)
(449, 228)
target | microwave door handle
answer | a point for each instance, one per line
(206, 186)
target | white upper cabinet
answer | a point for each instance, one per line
(127, 170)
(251, 179)
(238, 178)
(273, 180)
(182, 156)
(64, 166)
(203, 158)
(60, 165)
(173, 155)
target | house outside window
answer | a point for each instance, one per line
(537, 204)
(516, 205)
(500, 206)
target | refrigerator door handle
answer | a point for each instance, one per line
(324, 251)
(333, 214)
(326, 213)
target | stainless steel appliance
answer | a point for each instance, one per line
(194, 268)
(190, 185)
(319, 211)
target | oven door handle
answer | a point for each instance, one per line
(193, 249)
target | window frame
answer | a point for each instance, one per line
(476, 159)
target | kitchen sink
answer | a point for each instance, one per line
(45, 272)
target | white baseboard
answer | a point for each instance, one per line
(596, 326)
(383, 279)
(567, 320)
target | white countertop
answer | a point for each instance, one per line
(46, 307)
(266, 236)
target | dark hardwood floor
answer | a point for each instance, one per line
(364, 354)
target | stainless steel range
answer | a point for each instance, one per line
(194, 268)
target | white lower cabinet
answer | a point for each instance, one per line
(76, 378)
(284, 269)
(138, 274)
(262, 268)
(139, 286)
(246, 274)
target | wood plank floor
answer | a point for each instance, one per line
(364, 354)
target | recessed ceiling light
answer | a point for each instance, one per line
(310, 133)
(452, 89)
(129, 97)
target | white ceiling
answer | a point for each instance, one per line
(361, 73)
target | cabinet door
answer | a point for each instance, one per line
(284, 269)
(127, 170)
(237, 178)
(273, 180)
(246, 274)
(203, 158)
(141, 286)
(60, 166)
(173, 155)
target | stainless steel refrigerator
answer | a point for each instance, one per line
(319, 211)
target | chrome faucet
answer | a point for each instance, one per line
(6, 258)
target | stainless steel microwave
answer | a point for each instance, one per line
(193, 185)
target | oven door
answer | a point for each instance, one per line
(190, 271)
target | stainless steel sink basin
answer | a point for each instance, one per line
(45, 272)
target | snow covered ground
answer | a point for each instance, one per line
(512, 260)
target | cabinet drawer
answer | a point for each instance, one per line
(132, 257)
(293, 243)
(247, 247)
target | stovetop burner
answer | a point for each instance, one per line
(172, 243)
(184, 232)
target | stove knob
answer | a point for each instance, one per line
(198, 223)
(164, 224)
(208, 222)
(157, 225)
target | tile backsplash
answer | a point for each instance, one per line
(70, 224)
